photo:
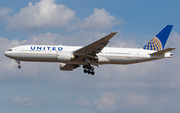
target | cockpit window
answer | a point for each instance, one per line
(9, 49)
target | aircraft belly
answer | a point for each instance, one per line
(124, 60)
(35, 57)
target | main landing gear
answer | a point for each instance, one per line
(88, 69)
(18, 62)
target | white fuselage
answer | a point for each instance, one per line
(108, 55)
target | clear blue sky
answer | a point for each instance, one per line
(42, 87)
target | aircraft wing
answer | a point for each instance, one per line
(92, 49)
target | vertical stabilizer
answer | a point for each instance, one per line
(159, 41)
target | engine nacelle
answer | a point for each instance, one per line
(68, 67)
(64, 56)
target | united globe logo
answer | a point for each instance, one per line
(154, 44)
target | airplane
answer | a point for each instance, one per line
(96, 53)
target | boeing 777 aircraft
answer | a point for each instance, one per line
(96, 53)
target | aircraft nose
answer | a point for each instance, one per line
(6, 53)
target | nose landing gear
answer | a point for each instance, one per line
(18, 62)
(19, 66)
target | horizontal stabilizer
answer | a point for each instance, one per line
(163, 51)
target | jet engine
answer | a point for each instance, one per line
(64, 56)
(68, 67)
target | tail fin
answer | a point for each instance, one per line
(159, 41)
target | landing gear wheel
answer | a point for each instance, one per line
(92, 73)
(85, 71)
(19, 67)
(89, 71)
(18, 62)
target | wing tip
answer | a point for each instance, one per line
(114, 32)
